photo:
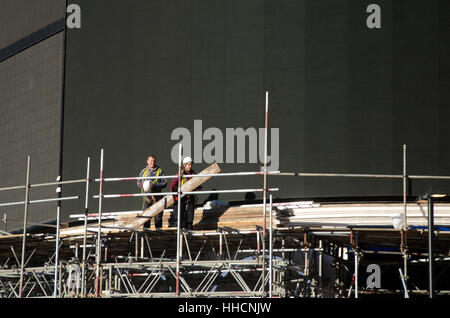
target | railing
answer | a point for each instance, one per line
(405, 178)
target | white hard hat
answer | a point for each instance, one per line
(187, 160)
(146, 185)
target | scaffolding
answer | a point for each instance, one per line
(104, 261)
(301, 259)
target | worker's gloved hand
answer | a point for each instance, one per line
(153, 187)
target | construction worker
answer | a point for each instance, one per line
(187, 206)
(151, 186)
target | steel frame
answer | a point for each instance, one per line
(200, 260)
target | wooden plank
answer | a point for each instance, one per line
(231, 217)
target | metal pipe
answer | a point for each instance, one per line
(265, 195)
(177, 290)
(220, 244)
(429, 177)
(403, 283)
(57, 183)
(40, 201)
(356, 266)
(136, 246)
(99, 235)
(377, 252)
(436, 259)
(227, 174)
(43, 184)
(58, 213)
(27, 183)
(86, 211)
(59, 282)
(405, 226)
(55, 199)
(320, 268)
(109, 196)
(12, 188)
(233, 191)
(224, 174)
(96, 218)
(306, 250)
(104, 214)
(129, 195)
(405, 220)
(257, 242)
(270, 247)
(110, 280)
(360, 175)
(218, 233)
(347, 175)
(430, 246)
(278, 250)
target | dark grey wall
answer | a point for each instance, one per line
(19, 18)
(30, 106)
(345, 98)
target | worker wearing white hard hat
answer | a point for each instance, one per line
(187, 160)
(151, 186)
(187, 202)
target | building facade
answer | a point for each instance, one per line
(348, 85)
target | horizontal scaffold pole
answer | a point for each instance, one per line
(175, 193)
(44, 184)
(347, 175)
(190, 176)
(40, 201)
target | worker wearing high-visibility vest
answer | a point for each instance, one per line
(151, 186)
(187, 206)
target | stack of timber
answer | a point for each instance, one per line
(238, 217)
(244, 217)
(362, 214)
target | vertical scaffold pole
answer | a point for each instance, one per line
(405, 224)
(99, 234)
(58, 214)
(177, 290)
(356, 264)
(306, 244)
(270, 247)
(265, 194)
(27, 187)
(430, 247)
(86, 211)
(58, 209)
(320, 268)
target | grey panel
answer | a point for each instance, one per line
(30, 106)
(344, 97)
(19, 18)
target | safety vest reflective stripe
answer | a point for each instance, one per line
(147, 173)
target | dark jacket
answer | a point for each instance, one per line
(184, 178)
